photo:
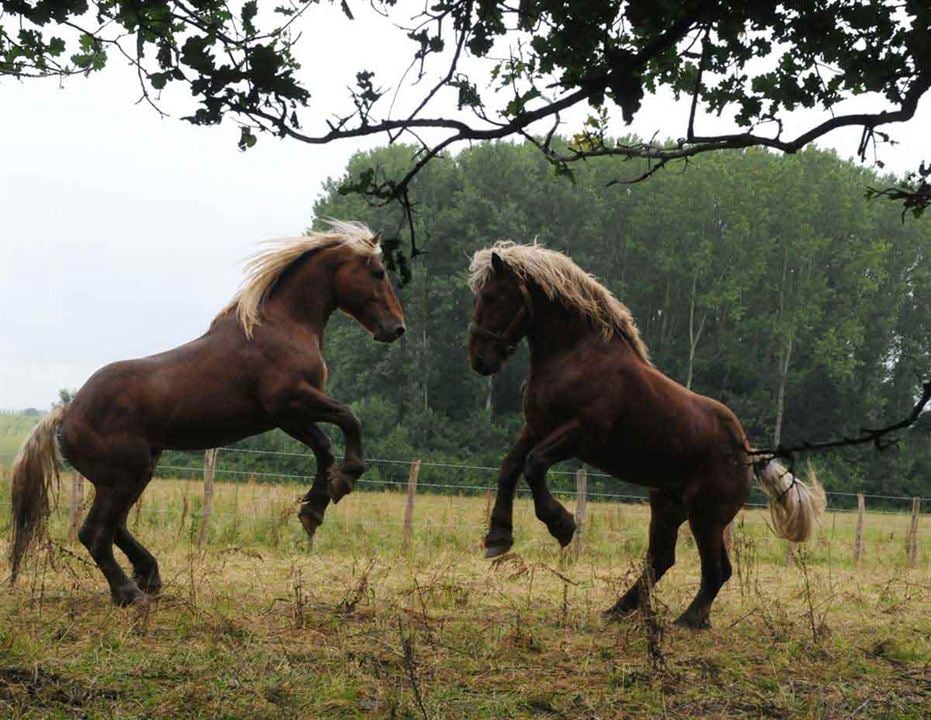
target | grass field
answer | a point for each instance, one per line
(262, 626)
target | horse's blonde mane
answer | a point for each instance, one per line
(266, 266)
(564, 281)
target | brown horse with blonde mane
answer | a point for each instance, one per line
(259, 366)
(593, 394)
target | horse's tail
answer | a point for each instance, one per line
(796, 507)
(34, 470)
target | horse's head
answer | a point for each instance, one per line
(364, 292)
(502, 315)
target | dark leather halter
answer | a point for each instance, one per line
(508, 337)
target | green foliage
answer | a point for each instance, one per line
(753, 61)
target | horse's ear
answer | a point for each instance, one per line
(497, 263)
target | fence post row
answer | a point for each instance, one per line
(581, 509)
(912, 537)
(409, 506)
(858, 538)
(77, 501)
(210, 467)
(581, 513)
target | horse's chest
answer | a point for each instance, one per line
(316, 374)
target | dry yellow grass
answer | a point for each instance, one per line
(261, 626)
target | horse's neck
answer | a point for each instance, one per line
(555, 329)
(303, 295)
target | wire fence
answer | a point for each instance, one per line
(283, 491)
(634, 493)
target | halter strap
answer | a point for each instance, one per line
(508, 337)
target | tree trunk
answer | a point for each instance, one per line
(781, 397)
(694, 335)
(426, 374)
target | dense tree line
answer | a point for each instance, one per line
(761, 280)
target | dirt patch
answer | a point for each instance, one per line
(22, 689)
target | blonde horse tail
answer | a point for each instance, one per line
(795, 506)
(34, 471)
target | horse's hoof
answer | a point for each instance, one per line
(148, 584)
(310, 519)
(493, 551)
(563, 529)
(687, 620)
(497, 542)
(128, 595)
(340, 483)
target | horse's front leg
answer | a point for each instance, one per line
(314, 503)
(500, 535)
(559, 445)
(310, 405)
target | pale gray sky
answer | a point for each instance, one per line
(121, 233)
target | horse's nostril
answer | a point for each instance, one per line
(400, 330)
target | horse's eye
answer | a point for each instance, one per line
(378, 273)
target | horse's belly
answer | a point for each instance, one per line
(642, 460)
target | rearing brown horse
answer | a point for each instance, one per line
(593, 394)
(259, 366)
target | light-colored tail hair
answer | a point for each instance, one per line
(796, 507)
(35, 470)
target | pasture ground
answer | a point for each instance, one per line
(261, 626)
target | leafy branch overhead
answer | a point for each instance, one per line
(512, 69)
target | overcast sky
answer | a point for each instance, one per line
(121, 232)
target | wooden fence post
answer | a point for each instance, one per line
(409, 506)
(581, 509)
(77, 502)
(912, 543)
(858, 538)
(210, 467)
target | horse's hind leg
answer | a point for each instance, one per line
(145, 566)
(667, 513)
(715, 569)
(111, 503)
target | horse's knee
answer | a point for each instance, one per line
(534, 467)
(87, 536)
(96, 542)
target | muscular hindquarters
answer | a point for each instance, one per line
(129, 411)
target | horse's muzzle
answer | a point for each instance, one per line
(483, 366)
(390, 332)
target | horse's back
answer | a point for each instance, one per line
(641, 425)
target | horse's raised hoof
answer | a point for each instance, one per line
(341, 482)
(311, 519)
(127, 595)
(150, 584)
(563, 528)
(690, 621)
